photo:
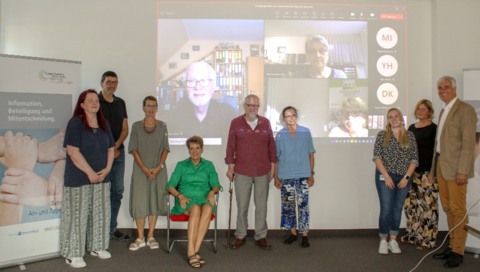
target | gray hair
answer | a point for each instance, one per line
(454, 82)
(251, 96)
(316, 38)
(200, 65)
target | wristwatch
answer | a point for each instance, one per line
(407, 177)
(163, 166)
(313, 173)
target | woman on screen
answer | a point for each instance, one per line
(149, 146)
(318, 52)
(421, 205)
(396, 157)
(194, 183)
(354, 119)
(294, 175)
(86, 194)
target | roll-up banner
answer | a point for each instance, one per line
(36, 98)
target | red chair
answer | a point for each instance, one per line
(184, 218)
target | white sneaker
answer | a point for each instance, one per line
(383, 249)
(76, 262)
(102, 254)
(393, 246)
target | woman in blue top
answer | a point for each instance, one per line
(294, 174)
(194, 183)
(86, 193)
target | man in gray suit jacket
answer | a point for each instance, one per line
(453, 165)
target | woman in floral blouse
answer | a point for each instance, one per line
(396, 157)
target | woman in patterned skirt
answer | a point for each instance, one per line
(396, 157)
(86, 194)
(294, 175)
(421, 206)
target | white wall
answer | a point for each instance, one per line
(121, 36)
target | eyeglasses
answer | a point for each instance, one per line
(151, 106)
(321, 51)
(203, 83)
(353, 113)
(252, 105)
(291, 116)
(108, 82)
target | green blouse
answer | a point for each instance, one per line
(193, 182)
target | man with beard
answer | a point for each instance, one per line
(251, 156)
(200, 114)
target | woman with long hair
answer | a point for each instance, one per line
(396, 157)
(85, 221)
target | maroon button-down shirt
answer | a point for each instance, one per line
(252, 151)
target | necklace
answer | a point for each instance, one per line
(145, 128)
(94, 130)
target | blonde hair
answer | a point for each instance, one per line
(427, 104)
(403, 138)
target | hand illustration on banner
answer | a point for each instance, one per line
(21, 186)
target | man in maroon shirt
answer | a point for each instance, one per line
(251, 156)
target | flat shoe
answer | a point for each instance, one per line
(137, 244)
(152, 243)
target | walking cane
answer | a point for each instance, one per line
(230, 212)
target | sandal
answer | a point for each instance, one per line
(193, 261)
(152, 243)
(200, 259)
(137, 244)
(421, 248)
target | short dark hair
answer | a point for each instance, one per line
(195, 140)
(108, 74)
(151, 98)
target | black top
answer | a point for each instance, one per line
(114, 112)
(94, 148)
(425, 137)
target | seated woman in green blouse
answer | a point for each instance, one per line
(194, 183)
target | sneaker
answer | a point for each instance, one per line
(116, 234)
(76, 262)
(383, 249)
(393, 246)
(102, 254)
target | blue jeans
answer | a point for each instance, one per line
(391, 204)
(116, 189)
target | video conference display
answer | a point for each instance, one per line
(341, 66)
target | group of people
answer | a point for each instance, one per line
(411, 173)
(94, 148)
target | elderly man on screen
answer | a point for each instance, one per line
(453, 165)
(200, 114)
(251, 156)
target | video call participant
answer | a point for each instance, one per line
(318, 52)
(115, 111)
(251, 157)
(453, 165)
(200, 114)
(354, 112)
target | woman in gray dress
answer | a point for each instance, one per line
(149, 147)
